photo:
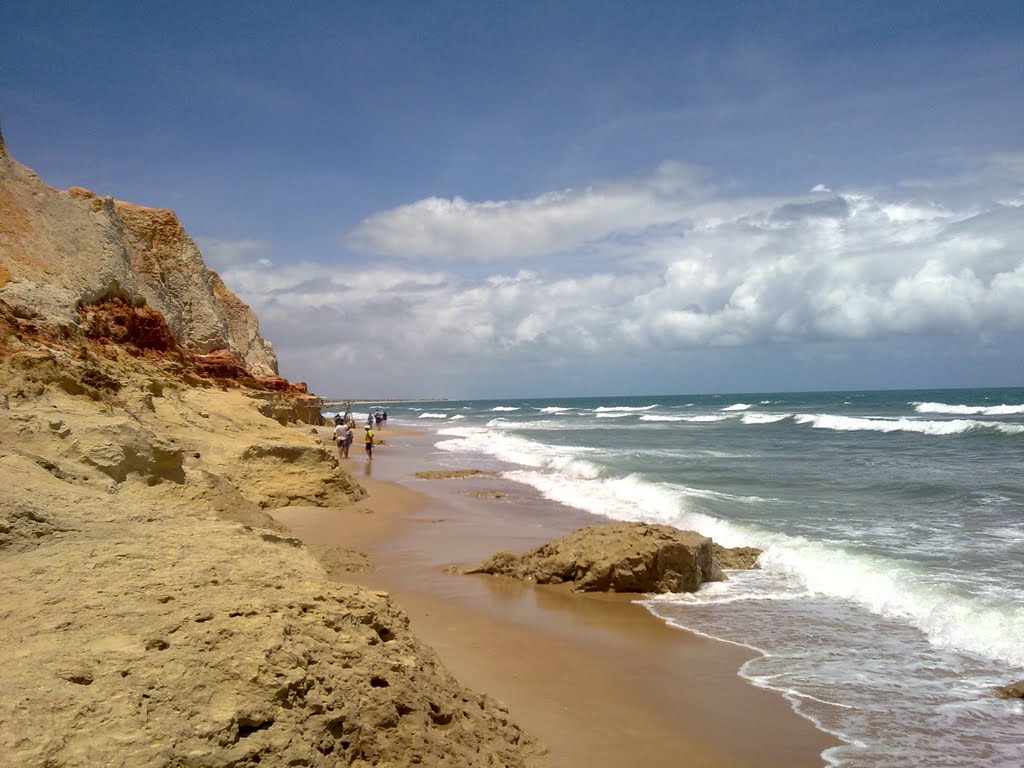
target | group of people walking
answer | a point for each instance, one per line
(344, 435)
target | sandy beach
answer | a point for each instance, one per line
(596, 678)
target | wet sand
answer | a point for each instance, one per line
(596, 678)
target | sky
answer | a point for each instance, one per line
(488, 199)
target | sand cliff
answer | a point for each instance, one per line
(66, 249)
(152, 614)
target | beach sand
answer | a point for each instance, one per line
(596, 678)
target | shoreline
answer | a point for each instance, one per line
(595, 678)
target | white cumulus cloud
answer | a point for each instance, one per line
(729, 272)
(457, 229)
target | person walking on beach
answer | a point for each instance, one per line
(342, 436)
(345, 440)
(368, 441)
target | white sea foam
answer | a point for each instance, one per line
(505, 408)
(629, 498)
(630, 408)
(968, 410)
(990, 628)
(794, 566)
(1006, 534)
(737, 407)
(764, 418)
(428, 415)
(834, 664)
(615, 415)
(895, 589)
(741, 586)
(707, 493)
(544, 425)
(514, 449)
(555, 409)
(950, 427)
(564, 474)
(693, 419)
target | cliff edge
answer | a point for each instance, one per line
(152, 614)
(64, 250)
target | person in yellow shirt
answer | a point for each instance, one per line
(368, 441)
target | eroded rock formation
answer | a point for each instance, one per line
(139, 632)
(1011, 691)
(150, 614)
(63, 251)
(738, 558)
(614, 557)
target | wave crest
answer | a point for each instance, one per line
(866, 424)
(969, 410)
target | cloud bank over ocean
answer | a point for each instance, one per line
(658, 264)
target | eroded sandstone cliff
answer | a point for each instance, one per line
(151, 614)
(61, 251)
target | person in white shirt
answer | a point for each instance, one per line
(342, 437)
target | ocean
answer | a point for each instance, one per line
(889, 601)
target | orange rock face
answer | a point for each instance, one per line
(114, 321)
(113, 326)
(60, 251)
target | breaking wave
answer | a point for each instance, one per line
(764, 418)
(866, 424)
(968, 410)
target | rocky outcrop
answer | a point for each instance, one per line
(736, 558)
(150, 615)
(289, 407)
(61, 251)
(140, 629)
(1012, 691)
(136, 633)
(280, 475)
(614, 557)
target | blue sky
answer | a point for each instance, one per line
(557, 198)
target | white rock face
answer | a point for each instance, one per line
(63, 249)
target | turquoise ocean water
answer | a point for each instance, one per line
(890, 598)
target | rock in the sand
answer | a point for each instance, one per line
(1012, 691)
(616, 557)
(454, 474)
